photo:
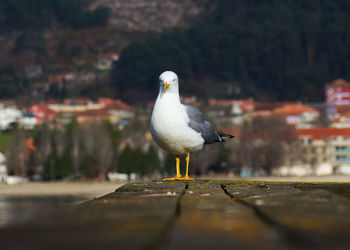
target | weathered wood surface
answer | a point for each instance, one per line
(203, 214)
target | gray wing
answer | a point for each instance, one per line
(200, 124)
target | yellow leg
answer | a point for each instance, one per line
(178, 175)
(187, 178)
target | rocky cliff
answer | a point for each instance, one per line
(153, 15)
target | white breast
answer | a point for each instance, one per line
(169, 127)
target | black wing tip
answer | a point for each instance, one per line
(225, 136)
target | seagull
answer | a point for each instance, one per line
(177, 128)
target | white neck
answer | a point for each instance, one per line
(169, 97)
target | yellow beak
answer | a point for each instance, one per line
(166, 85)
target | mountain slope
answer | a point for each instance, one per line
(277, 50)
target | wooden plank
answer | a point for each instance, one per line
(136, 216)
(314, 217)
(254, 189)
(210, 219)
(201, 214)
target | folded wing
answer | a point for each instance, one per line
(200, 124)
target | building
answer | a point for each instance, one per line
(69, 77)
(337, 94)
(55, 79)
(33, 71)
(86, 76)
(118, 112)
(229, 111)
(342, 120)
(8, 116)
(297, 114)
(324, 151)
(42, 113)
(75, 105)
(28, 120)
(87, 111)
(237, 112)
(106, 60)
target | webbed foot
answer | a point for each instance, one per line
(177, 178)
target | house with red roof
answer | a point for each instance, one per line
(119, 112)
(297, 114)
(55, 79)
(42, 113)
(231, 110)
(85, 110)
(238, 111)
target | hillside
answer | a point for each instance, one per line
(68, 36)
(52, 32)
(271, 50)
(153, 15)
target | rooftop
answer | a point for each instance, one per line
(293, 109)
(321, 133)
(338, 83)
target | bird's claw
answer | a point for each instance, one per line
(187, 178)
(177, 178)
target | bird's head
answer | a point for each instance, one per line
(169, 82)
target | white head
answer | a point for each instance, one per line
(169, 82)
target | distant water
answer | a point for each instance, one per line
(16, 209)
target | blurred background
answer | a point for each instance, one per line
(78, 80)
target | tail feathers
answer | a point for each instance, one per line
(224, 136)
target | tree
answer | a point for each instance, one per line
(19, 155)
(126, 161)
(273, 50)
(168, 166)
(39, 15)
(43, 143)
(74, 146)
(103, 145)
(89, 166)
(9, 83)
(202, 160)
(57, 168)
(151, 161)
(261, 144)
(139, 162)
(223, 161)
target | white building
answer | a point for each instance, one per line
(27, 120)
(8, 116)
(11, 114)
(322, 151)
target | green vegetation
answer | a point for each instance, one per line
(169, 165)
(6, 139)
(272, 49)
(10, 84)
(71, 151)
(56, 168)
(25, 22)
(42, 14)
(136, 161)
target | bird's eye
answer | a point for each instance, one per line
(174, 80)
